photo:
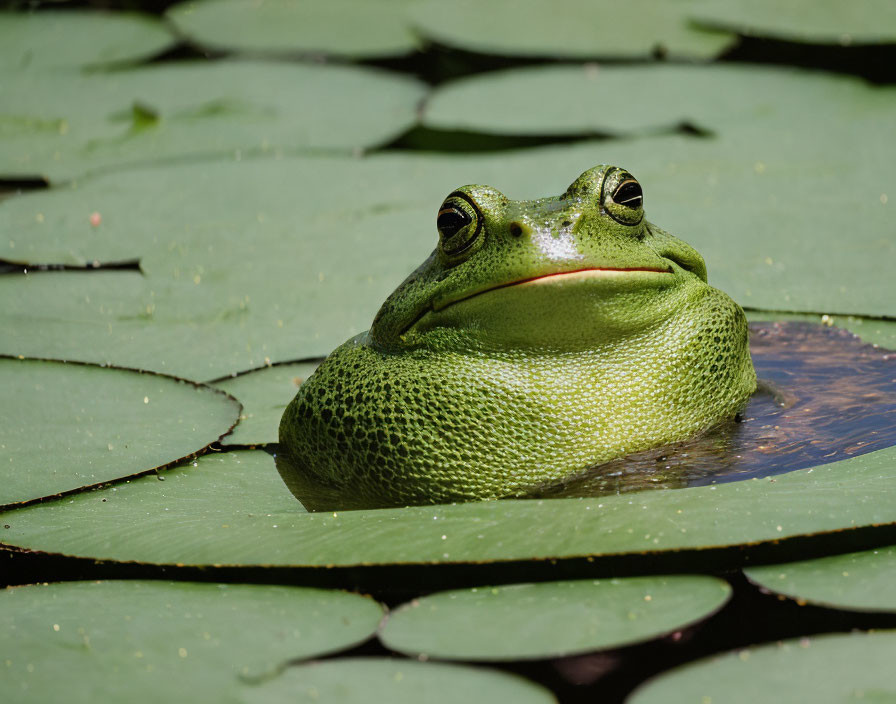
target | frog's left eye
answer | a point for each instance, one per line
(458, 223)
(623, 197)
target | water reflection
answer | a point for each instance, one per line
(824, 396)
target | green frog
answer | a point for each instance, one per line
(539, 339)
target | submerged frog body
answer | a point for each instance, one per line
(539, 339)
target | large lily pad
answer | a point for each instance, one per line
(363, 680)
(354, 28)
(264, 393)
(71, 425)
(75, 38)
(59, 125)
(859, 580)
(828, 22)
(153, 641)
(549, 619)
(570, 28)
(234, 510)
(267, 261)
(717, 98)
(828, 669)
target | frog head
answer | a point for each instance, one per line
(556, 274)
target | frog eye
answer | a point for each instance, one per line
(623, 197)
(458, 223)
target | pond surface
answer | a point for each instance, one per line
(824, 395)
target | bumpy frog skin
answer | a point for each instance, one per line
(539, 339)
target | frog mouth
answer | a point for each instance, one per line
(556, 277)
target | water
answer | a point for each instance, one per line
(824, 396)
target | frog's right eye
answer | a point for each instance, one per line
(622, 197)
(459, 224)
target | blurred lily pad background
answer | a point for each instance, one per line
(199, 200)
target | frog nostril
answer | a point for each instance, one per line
(516, 229)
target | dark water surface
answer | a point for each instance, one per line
(824, 396)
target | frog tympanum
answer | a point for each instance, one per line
(539, 339)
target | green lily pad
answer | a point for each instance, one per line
(828, 669)
(363, 680)
(717, 98)
(264, 393)
(59, 126)
(267, 261)
(861, 580)
(77, 38)
(180, 521)
(71, 425)
(152, 641)
(828, 22)
(570, 28)
(550, 619)
(352, 28)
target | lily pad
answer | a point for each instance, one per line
(829, 22)
(264, 393)
(363, 680)
(72, 425)
(570, 28)
(550, 619)
(828, 669)
(181, 520)
(717, 98)
(861, 580)
(352, 28)
(77, 38)
(59, 126)
(141, 641)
